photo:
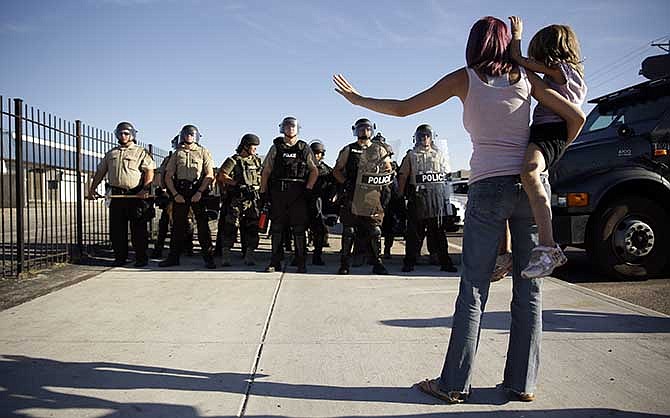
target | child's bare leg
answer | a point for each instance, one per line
(506, 242)
(534, 164)
(504, 260)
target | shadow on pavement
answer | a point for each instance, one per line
(556, 320)
(41, 383)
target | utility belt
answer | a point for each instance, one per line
(246, 192)
(142, 209)
(120, 190)
(284, 185)
(187, 188)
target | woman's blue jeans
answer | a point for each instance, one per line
(491, 202)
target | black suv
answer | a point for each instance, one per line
(611, 189)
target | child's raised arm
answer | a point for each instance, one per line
(516, 25)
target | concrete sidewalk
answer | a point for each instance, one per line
(188, 342)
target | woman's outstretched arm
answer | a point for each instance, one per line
(454, 84)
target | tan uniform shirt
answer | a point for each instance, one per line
(124, 166)
(190, 164)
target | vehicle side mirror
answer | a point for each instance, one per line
(624, 131)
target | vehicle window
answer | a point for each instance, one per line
(597, 120)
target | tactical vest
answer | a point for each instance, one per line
(325, 176)
(351, 168)
(247, 170)
(290, 162)
(428, 167)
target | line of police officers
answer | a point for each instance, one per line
(298, 189)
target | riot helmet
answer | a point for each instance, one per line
(422, 131)
(175, 142)
(289, 121)
(125, 128)
(317, 146)
(359, 128)
(246, 141)
(187, 131)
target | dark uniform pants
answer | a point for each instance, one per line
(122, 212)
(164, 226)
(355, 226)
(318, 228)
(289, 209)
(180, 225)
(242, 214)
(435, 233)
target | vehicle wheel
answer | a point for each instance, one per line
(630, 238)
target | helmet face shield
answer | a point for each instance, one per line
(287, 124)
(125, 130)
(422, 132)
(364, 129)
(189, 134)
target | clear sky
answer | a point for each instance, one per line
(232, 67)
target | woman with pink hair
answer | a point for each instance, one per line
(496, 95)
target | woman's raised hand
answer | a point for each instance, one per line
(345, 88)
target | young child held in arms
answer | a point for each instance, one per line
(553, 51)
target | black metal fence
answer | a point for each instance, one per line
(47, 165)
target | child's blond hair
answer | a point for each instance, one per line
(554, 44)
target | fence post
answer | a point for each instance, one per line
(18, 160)
(151, 222)
(79, 253)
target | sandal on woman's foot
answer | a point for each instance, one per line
(514, 395)
(429, 386)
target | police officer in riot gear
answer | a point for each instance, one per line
(324, 190)
(189, 173)
(242, 174)
(423, 177)
(288, 177)
(363, 168)
(164, 202)
(130, 172)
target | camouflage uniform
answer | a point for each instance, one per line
(242, 204)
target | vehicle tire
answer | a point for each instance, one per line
(630, 238)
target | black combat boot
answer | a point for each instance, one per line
(169, 262)
(345, 254)
(277, 253)
(447, 264)
(209, 259)
(376, 245)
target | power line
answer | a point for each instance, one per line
(638, 50)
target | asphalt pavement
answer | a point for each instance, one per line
(190, 342)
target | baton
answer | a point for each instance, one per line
(128, 196)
